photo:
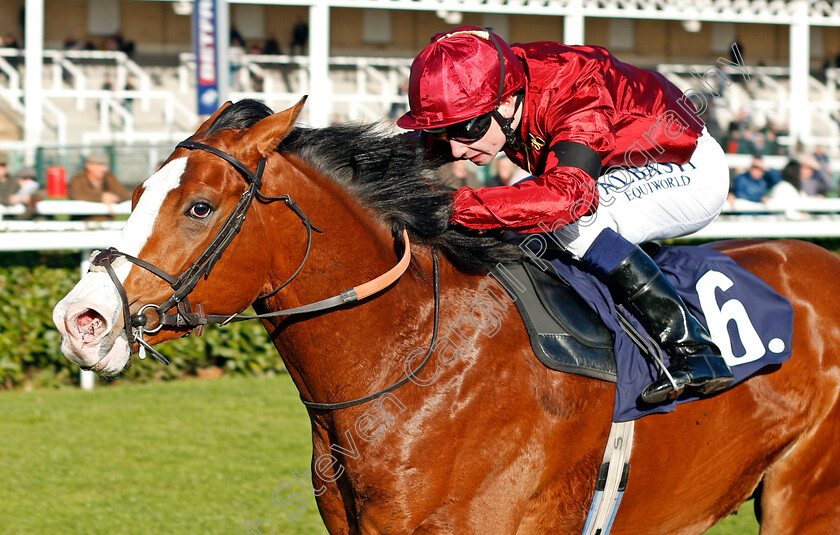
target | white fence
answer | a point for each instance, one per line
(803, 218)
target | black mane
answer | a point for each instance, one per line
(389, 175)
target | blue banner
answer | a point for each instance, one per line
(206, 35)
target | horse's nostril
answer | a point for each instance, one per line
(90, 324)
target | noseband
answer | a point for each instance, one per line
(184, 284)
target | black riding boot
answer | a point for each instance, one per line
(695, 361)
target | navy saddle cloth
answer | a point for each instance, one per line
(574, 326)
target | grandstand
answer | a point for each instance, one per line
(136, 103)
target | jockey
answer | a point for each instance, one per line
(617, 154)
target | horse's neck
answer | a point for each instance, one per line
(355, 350)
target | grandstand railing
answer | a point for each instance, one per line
(767, 96)
(68, 82)
(806, 217)
(363, 88)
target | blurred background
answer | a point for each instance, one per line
(119, 76)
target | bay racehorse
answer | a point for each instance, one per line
(484, 439)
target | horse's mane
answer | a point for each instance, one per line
(390, 175)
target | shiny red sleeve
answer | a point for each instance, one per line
(556, 198)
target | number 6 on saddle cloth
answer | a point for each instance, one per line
(575, 327)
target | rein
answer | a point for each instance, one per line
(185, 283)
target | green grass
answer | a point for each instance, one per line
(169, 458)
(741, 523)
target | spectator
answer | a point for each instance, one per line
(822, 157)
(754, 185)
(733, 140)
(236, 36)
(300, 36)
(236, 54)
(96, 183)
(457, 175)
(271, 46)
(788, 188)
(507, 173)
(9, 41)
(257, 82)
(8, 186)
(771, 139)
(119, 43)
(26, 190)
(813, 181)
(128, 103)
(746, 146)
(736, 57)
(709, 117)
(825, 168)
(71, 43)
(27, 186)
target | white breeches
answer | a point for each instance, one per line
(655, 202)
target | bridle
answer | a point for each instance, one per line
(184, 284)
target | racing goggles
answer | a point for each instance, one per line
(468, 131)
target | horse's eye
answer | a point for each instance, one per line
(200, 210)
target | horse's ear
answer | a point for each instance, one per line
(206, 124)
(269, 132)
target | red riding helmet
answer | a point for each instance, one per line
(457, 77)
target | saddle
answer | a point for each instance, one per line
(565, 333)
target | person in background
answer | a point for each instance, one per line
(788, 188)
(26, 191)
(300, 37)
(27, 186)
(457, 175)
(9, 41)
(755, 184)
(822, 159)
(8, 186)
(71, 43)
(128, 103)
(96, 183)
(236, 53)
(813, 181)
(507, 173)
(271, 46)
(821, 156)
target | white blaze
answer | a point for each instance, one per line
(104, 348)
(139, 226)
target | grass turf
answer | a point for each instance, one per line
(169, 458)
